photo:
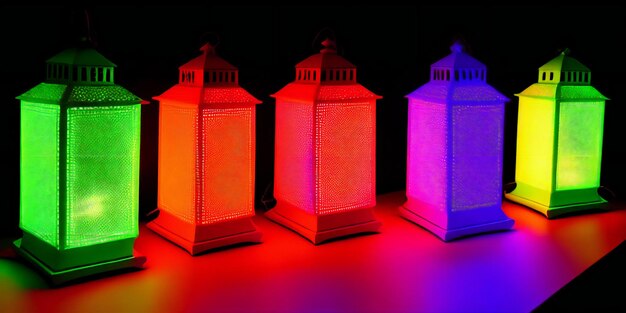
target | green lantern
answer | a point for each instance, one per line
(559, 140)
(79, 169)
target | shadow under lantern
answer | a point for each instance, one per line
(206, 157)
(559, 140)
(455, 147)
(325, 152)
(79, 169)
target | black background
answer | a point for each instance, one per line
(392, 46)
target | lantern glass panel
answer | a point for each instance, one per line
(535, 139)
(427, 141)
(345, 161)
(39, 211)
(580, 145)
(177, 157)
(294, 155)
(102, 174)
(476, 156)
(228, 156)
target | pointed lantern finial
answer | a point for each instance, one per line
(208, 49)
(456, 47)
(566, 51)
(329, 46)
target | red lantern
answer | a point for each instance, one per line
(206, 157)
(325, 153)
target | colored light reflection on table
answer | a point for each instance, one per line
(403, 269)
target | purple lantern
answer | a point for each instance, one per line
(454, 155)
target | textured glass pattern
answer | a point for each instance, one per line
(39, 188)
(540, 91)
(562, 92)
(477, 138)
(579, 145)
(476, 92)
(102, 174)
(228, 164)
(53, 93)
(177, 159)
(345, 150)
(535, 136)
(579, 92)
(343, 92)
(439, 91)
(427, 155)
(107, 94)
(293, 181)
(217, 95)
(44, 93)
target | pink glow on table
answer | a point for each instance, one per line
(403, 269)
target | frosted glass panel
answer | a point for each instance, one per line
(580, 145)
(102, 174)
(39, 188)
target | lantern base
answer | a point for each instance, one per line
(318, 229)
(79, 272)
(451, 234)
(556, 211)
(216, 235)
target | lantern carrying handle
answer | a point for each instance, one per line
(88, 25)
(81, 27)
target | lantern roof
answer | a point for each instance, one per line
(564, 78)
(458, 78)
(208, 80)
(80, 95)
(208, 60)
(564, 62)
(326, 59)
(563, 92)
(309, 93)
(85, 56)
(326, 77)
(80, 76)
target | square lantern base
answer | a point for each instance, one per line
(68, 275)
(451, 234)
(318, 229)
(555, 211)
(208, 237)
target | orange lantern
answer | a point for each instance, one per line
(206, 157)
